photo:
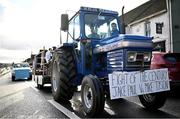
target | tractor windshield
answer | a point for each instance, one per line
(99, 26)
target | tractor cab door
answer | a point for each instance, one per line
(74, 36)
(88, 55)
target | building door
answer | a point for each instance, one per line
(159, 46)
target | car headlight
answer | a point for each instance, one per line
(132, 56)
(147, 57)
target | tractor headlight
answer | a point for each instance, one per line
(132, 56)
(147, 57)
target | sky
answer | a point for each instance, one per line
(28, 25)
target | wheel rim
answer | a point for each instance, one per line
(88, 96)
(55, 76)
(149, 97)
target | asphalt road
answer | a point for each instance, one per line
(21, 99)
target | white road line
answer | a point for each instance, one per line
(134, 101)
(68, 113)
(137, 103)
(32, 86)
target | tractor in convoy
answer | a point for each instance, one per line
(41, 70)
(105, 62)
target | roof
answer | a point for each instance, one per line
(98, 10)
(147, 9)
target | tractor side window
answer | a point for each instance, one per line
(74, 29)
(70, 35)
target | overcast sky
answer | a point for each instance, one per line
(28, 25)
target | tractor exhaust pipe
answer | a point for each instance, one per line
(122, 22)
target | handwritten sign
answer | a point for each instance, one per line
(126, 84)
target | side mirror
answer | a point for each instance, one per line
(64, 22)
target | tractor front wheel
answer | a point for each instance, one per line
(92, 96)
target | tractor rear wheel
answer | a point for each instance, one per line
(63, 74)
(153, 101)
(92, 96)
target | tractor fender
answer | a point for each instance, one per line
(68, 45)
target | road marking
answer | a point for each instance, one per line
(32, 86)
(135, 101)
(68, 113)
(139, 104)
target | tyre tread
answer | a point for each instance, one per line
(67, 74)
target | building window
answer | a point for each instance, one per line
(159, 46)
(147, 28)
(159, 28)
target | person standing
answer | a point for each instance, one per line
(48, 56)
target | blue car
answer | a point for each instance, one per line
(21, 71)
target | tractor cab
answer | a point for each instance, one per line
(88, 28)
(99, 25)
(101, 48)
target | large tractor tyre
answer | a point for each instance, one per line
(153, 101)
(63, 75)
(92, 96)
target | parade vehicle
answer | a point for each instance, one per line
(105, 63)
(41, 74)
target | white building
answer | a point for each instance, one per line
(154, 18)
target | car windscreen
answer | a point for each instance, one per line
(174, 57)
(19, 65)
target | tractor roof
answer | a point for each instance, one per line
(89, 9)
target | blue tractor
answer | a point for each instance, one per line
(96, 53)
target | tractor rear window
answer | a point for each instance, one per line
(19, 65)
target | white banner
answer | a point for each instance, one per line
(126, 84)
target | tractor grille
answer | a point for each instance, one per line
(138, 64)
(115, 60)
